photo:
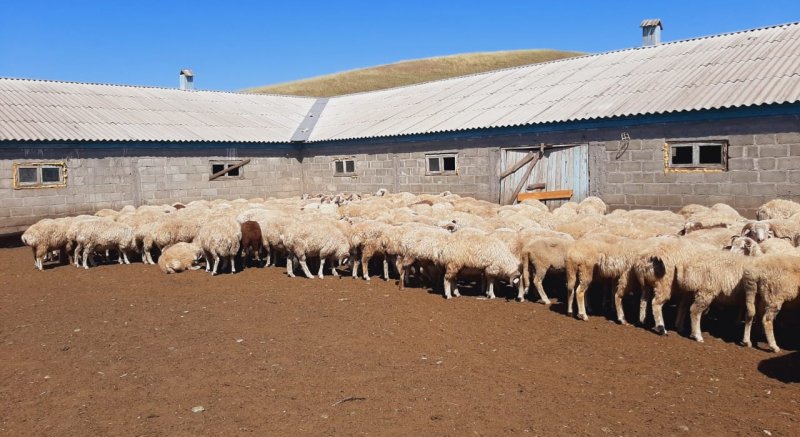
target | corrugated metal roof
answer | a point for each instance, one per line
(34, 110)
(754, 67)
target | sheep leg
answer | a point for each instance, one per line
(365, 257)
(750, 314)
(216, 265)
(269, 256)
(537, 282)
(77, 255)
(321, 266)
(333, 270)
(125, 256)
(86, 251)
(304, 266)
(580, 296)
(645, 296)
(232, 260)
(490, 290)
(622, 284)
(208, 257)
(449, 280)
(385, 267)
(769, 318)
(354, 271)
(289, 267)
(659, 299)
(401, 270)
(683, 310)
(696, 313)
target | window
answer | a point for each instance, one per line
(342, 167)
(700, 155)
(444, 163)
(218, 166)
(39, 175)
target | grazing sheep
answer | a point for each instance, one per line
(220, 238)
(319, 237)
(484, 253)
(179, 257)
(367, 239)
(252, 241)
(103, 235)
(777, 209)
(44, 236)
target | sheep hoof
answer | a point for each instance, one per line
(367, 278)
(745, 344)
(447, 297)
(660, 330)
(775, 349)
(546, 302)
(520, 299)
(583, 317)
(622, 322)
(86, 267)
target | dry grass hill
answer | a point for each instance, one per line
(410, 72)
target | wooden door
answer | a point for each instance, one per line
(559, 168)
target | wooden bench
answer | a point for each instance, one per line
(545, 195)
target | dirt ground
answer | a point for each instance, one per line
(129, 350)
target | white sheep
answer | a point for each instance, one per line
(316, 237)
(220, 238)
(179, 257)
(775, 279)
(777, 209)
(103, 235)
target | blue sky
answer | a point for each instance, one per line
(236, 44)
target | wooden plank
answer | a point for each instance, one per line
(533, 187)
(525, 159)
(545, 195)
(524, 180)
(225, 171)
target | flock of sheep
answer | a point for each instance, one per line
(699, 256)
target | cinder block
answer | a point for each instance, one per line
(773, 150)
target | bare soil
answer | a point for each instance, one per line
(127, 350)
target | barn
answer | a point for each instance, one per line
(705, 120)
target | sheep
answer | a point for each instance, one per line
(749, 247)
(369, 238)
(417, 243)
(545, 254)
(219, 238)
(252, 241)
(608, 256)
(704, 273)
(592, 205)
(474, 251)
(779, 228)
(179, 257)
(106, 235)
(273, 224)
(44, 236)
(776, 279)
(168, 230)
(777, 209)
(319, 237)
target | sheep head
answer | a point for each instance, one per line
(758, 231)
(745, 245)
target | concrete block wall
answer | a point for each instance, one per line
(761, 166)
(400, 167)
(99, 177)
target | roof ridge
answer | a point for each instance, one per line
(122, 85)
(590, 55)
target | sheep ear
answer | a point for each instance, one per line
(746, 229)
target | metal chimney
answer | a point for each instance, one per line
(187, 80)
(651, 32)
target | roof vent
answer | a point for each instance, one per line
(187, 80)
(651, 32)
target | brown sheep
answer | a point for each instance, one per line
(252, 242)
